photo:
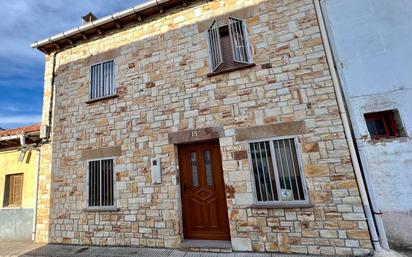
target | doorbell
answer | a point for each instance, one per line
(156, 170)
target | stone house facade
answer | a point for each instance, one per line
(168, 103)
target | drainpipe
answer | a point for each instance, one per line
(52, 92)
(36, 194)
(377, 212)
(347, 129)
(36, 183)
(33, 236)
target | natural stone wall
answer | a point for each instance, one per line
(161, 68)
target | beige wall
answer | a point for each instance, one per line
(162, 88)
(9, 164)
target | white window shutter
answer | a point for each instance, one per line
(215, 49)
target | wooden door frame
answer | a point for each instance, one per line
(182, 225)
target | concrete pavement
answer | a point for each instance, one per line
(17, 248)
(29, 249)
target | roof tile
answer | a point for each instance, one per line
(20, 130)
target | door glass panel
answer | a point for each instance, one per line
(208, 168)
(195, 176)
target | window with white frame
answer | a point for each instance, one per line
(277, 172)
(228, 45)
(101, 192)
(102, 80)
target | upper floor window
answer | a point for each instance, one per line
(102, 80)
(13, 190)
(385, 124)
(277, 172)
(228, 46)
(101, 192)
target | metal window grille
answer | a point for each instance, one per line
(383, 124)
(239, 42)
(101, 183)
(277, 173)
(102, 80)
(215, 48)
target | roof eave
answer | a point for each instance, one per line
(97, 23)
(18, 135)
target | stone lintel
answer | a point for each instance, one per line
(90, 154)
(195, 135)
(272, 130)
(224, 19)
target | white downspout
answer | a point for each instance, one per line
(36, 181)
(377, 212)
(36, 193)
(347, 130)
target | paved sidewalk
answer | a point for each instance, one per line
(29, 249)
(17, 248)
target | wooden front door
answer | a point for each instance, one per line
(203, 192)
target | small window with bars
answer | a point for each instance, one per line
(13, 190)
(277, 172)
(101, 191)
(384, 125)
(102, 80)
(228, 46)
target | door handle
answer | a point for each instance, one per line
(185, 187)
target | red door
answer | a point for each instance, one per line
(203, 192)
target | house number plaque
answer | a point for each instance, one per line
(194, 135)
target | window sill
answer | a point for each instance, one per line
(101, 98)
(387, 139)
(10, 207)
(231, 69)
(282, 205)
(101, 209)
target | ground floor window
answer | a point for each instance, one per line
(277, 172)
(101, 192)
(13, 190)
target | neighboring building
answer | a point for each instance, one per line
(179, 120)
(371, 42)
(18, 169)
